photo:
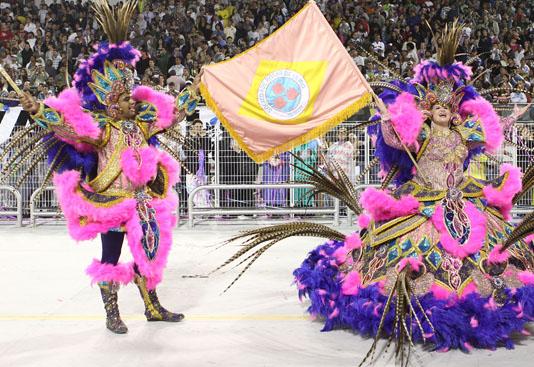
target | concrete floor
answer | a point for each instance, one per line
(50, 316)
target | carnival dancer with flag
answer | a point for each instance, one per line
(111, 179)
(435, 259)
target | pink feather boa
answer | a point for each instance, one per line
(382, 206)
(102, 219)
(164, 104)
(153, 270)
(142, 171)
(121, 273)
(476, 237)
(351, 283)
(480, 108)
(502, 198)
(172, 167)
(69, 104)
(74, 206)
(406, 118)
(497, 257)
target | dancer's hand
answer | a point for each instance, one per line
(384, 113)
(196, 82)
(521, 111)
(29, 103)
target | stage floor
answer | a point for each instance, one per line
(50, 315)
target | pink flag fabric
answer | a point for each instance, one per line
(291, 88)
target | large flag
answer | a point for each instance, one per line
(289, 89)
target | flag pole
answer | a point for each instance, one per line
(10, 81)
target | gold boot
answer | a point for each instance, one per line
(153, 310)
(113, 318)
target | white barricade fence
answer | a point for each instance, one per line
(230, 184)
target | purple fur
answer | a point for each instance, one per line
(319, 279)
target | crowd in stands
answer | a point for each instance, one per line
(41, 42)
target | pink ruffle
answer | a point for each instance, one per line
(153, 270)
(364, 220)
(164, 104)
(351, 283)
(69, 104)
(497, 257)
(502, 198)
(121, 273)
(476, 237)
(74, 206)
(481, 108)
(382, 206)
(139, 170)
(406, 118)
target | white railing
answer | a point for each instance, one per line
(192, 210)
(18, 198)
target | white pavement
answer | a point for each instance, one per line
(50, 316)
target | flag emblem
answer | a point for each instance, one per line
(284, 92)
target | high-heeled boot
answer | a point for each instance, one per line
(153, 310)
(113, 318)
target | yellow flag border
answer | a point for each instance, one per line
(293, 143)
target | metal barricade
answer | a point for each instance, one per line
(192, 211)
(18, 198)
(40, 211)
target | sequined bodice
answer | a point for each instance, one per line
(442, 161)
(121, 137)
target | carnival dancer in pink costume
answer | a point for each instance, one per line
(111, 177)
(435, 259)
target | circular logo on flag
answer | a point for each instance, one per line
(283, 94)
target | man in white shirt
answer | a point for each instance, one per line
(30, 26)
(230, 30)
(378, 45)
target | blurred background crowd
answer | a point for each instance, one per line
(41, 43)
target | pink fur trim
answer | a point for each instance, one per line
(164, 104)
(69, 104)
(364, 220)
(351, 283)
(529, 239)
(74, 206)
(382, 206)
(502, 198)
(476, 237)
(172, 167)
(153, 270)
(526, 277)
(496, 257)
(414, 262)
(439, 292)
(142, 171)
(340, 255)
(406, 118)
(481, 108)
(468, 289)
(353, 241)
(122, 273)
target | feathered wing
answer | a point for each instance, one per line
(332, 181)
(268, 236)
(21, 156)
